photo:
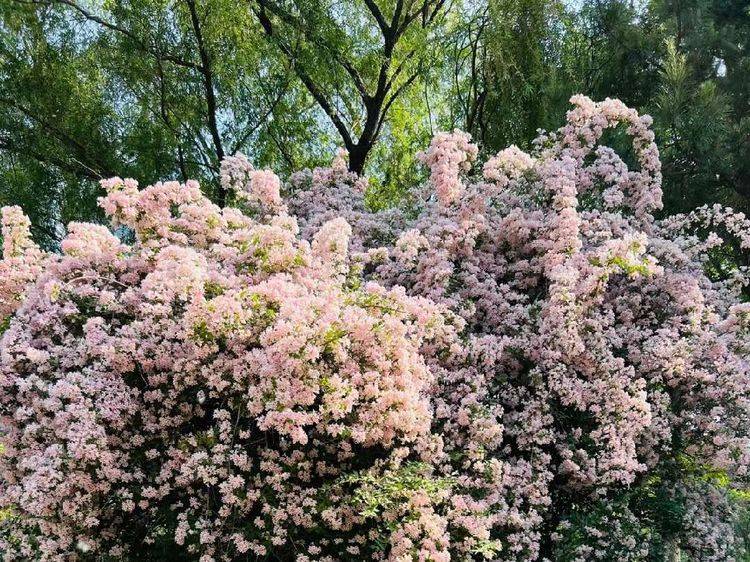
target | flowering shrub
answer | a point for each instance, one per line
(21, 262)
(608, 350)
(526, 365)
(218, 385)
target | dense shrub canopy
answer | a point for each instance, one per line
(519, 364)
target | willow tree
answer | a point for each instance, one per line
(356, 58)
(137, 87)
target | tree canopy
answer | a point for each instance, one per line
(166, 89)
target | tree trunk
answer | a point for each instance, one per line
(358, 156)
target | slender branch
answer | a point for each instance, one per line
(208, 81)
(262, 119)
(168, 121)
(80, 169)
(302, 27)
(282, 150)
(358, 82)
(119, 29)
(428, 10)
(63, 137)
(374, 9)
(408, 82)
(400, 68)
(304, 77)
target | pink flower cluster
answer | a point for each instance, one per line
(261, 189)
(602, 350)
(449, 154)
(21, 263)
(211, 386)
(324, 194)
(530, 368)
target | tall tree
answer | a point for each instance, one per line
(711, 41)
(356, 58)
(142, 88)
(694, 126)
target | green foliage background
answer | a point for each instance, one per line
(94, 88)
